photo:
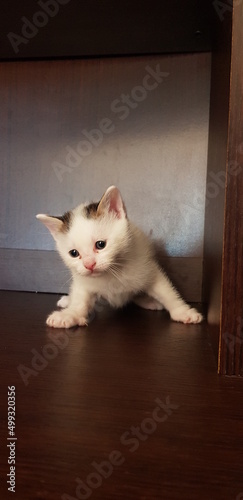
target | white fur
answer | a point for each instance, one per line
(124, 270)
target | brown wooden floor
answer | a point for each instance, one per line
(87, 401)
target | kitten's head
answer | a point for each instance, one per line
(91, 238)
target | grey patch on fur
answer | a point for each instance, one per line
(66, 219)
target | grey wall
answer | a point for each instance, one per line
(155, 151)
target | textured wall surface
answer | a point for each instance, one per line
(152, 145)
(72, 128)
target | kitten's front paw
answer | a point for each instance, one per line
(65, 319)
(186, 315)
(63, 302)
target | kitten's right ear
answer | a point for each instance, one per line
(54, 224)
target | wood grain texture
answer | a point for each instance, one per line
(216, 168)
(216, 174)
(104, 380)
(231, 339)
(44, 271)
(223, 245)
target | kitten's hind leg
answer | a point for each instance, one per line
(163, 291)
(63, 302)
(147, 302)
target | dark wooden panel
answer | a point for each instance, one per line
(223, 248)
(216, 169)
(43, 271)
(68, 28)
(216, 172)
(90, 386)
(231, 344)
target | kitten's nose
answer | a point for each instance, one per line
(90, 265)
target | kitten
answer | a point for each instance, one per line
(112, 259)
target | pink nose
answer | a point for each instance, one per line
(90, 265)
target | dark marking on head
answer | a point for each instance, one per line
(66, 219)
(91, 210)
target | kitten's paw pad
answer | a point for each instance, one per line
(63, 302)
(65, 319)
(186, 315)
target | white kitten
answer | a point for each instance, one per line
(111, 259)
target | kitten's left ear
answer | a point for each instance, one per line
(54, 224)
(112, 202)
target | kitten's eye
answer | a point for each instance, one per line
(74, 253)
(100, 244)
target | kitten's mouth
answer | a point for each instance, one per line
(93, 272)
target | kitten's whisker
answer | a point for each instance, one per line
(116, 274)
(66, 282)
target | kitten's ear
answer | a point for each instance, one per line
(112, 202)
(54, 224)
